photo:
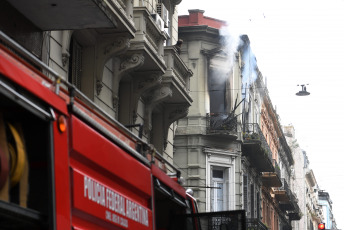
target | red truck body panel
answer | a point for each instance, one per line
(107, 182)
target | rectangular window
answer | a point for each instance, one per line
(26, 134)
(219, 100)
(219, 192)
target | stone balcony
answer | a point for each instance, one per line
(272, 179)
(283, 193)
(256, 148)
(288, 201)
(76, 15)
(148, 42)
(177, 77)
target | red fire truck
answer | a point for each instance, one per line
(65, 164)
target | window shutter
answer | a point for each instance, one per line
(252, 200)
(75, 64)
(258, 205)
(245, 192)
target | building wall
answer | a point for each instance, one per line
(57, 46)
(305, 185)
(199, 154)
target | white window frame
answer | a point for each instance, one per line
(219, 159)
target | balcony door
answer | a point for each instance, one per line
(220, 189)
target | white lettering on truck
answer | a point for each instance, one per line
(94, 191)
(115, 202)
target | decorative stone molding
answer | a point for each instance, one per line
(144, 83)
(115, 104)
(141, 84)
(130, 63)
(127, 63)
(66, 36)
(116, 46)
(174, 3)
(134, 116)
(99, 86)
(172, 113)
(176, 112)
(108, 48)
(65, 58)
(153, 98)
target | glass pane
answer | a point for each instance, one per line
(219, 196)
(217, 173)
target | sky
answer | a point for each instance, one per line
(295, 43)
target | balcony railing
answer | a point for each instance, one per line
(283, 195)
(222, 123)
(177, 75)
(296, 214)
(285, 186)
(252, 132)
(272, 179)
(286, 149)
(277, 168)
(256, 147)
(255, 224)
(288, 201)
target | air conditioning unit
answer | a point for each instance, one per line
(158, 21)
(163, 12)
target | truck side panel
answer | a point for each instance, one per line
(108, 185)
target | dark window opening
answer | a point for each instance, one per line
(26, 196)
(258, 205)
(169, 207)
(217, 173)
(75, 63)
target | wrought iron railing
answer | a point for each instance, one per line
(294, 200)
(286, 149)
(223, 220)
(255, 224)
(222, 123)
(252, 131)
(277, 168)
(285, 186)
(295, 214)
(231, 220)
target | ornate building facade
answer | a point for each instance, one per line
(231, 146)
(207, 148)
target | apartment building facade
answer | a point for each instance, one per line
(231, 139)
(305, 184)
(325, 204)
(268, 155)
(206, 147)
